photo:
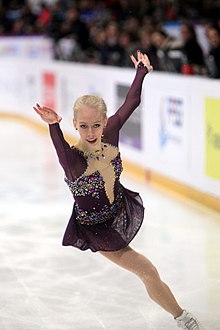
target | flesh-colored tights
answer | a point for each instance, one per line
(138, 264)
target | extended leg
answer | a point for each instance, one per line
(144, 269)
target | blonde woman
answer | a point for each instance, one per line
(106, 216)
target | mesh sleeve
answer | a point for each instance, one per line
(131, 102)
(63, 149)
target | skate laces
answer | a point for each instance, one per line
(192, 324)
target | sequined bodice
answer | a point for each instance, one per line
(92, 183)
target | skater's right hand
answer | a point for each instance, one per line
(48, 115)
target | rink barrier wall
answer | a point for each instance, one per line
(26, 47)
(136, 172)
(174, 134)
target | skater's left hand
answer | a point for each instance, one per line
(141, 58)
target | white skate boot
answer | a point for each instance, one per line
(188, 321)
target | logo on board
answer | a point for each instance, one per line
(171, 120)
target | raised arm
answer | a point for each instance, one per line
(133, 98)
(62, 147)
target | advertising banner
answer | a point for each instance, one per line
(167, 127)
(34, 47)
(212, 138)
(49, 89)
(11, 91)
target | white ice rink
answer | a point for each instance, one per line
(44, 286)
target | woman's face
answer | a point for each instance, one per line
(90, 124)
(214, 38)
(157, 39)
(185, 33)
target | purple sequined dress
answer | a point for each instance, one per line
(106, 216)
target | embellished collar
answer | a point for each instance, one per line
(96, 155)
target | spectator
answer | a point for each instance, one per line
(44, 17)
(4, 24)
(129, 46)
(90, 28)
(192, 50)
(29, 19)
(95, 13)
(146, 46)
(70, 34)
(111, 52)
(67, 49)
(169, 51)
(13, 12)
(213, 60)
(57, 17)
(131, 25)
(18, 27)
(77, 27)
(98, 40)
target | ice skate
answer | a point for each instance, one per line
(187, 321)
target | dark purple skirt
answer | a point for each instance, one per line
(112, 235)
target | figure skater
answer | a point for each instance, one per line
(106, 216)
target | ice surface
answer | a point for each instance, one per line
(45, 286)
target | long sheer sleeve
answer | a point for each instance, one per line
(131, 102)
(133, 97)
(63, 149)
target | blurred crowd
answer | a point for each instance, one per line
(107, 32)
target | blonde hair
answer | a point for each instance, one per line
(91, 101)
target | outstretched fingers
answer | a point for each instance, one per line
(38, 109)
(146, 60)
(147, 63)
(47, 114)
(141, 57)
(133, 59)
(42, 110)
